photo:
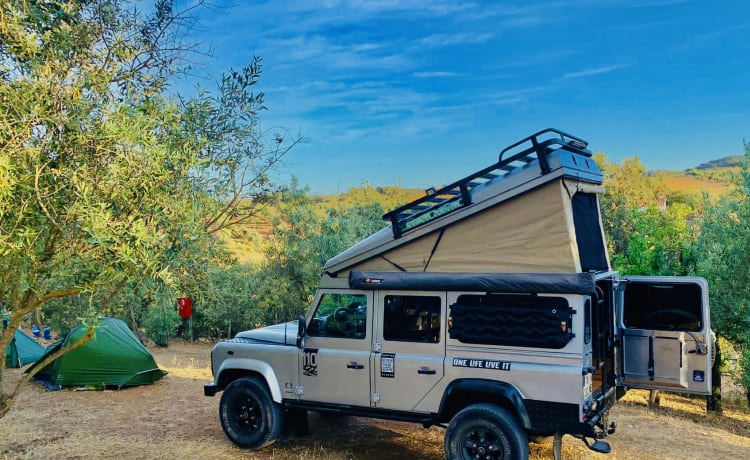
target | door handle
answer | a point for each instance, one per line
(355, 365)
(426, 371)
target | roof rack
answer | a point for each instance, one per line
(437, 203)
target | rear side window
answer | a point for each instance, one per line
(411, 318)
(512, 319)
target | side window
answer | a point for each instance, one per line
(663, 307)
(411, 318)
(340, 315)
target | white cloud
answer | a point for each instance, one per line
(594, 71)
(319, 50)
(657, 3)
(439, 40)
(437, 74)
(514, 96)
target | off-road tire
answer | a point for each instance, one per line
(485, 431)
(248, 415)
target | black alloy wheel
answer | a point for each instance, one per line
(487, 432)
(248, 415)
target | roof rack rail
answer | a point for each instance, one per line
(545, 147)
(437, 203)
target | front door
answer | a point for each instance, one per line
(666, 333)
(334, 365)
(411, 337)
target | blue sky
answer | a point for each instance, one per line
(423, 92)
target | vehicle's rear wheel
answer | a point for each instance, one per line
(248, 415)
(485, 431)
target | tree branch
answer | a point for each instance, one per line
(38, 193)
(6, 401)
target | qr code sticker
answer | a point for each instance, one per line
(388, 365)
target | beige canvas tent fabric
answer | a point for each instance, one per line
(533, 233)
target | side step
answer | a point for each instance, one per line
(597, 446)
(602, 447)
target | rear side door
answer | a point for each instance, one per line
(410, 338)
(665, 327)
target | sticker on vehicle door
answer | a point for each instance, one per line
(310, 362)
(388, 365)
(481, 364)
(588, 386)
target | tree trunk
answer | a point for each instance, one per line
(654, 399)
(713, 402)
(38, 320)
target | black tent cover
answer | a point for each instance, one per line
(554, 283)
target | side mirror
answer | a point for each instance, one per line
(301, 332)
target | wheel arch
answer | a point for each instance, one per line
(235, 368)
(465, 392)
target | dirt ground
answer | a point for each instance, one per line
(172, 419)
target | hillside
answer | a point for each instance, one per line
(245, 242)
(713, 177)
(732, 161)
(389, 197)
(685, 182)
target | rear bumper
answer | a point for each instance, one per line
(210, 389)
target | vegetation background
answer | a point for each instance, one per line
(119, 195)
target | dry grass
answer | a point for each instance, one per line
(695, 185)
(172, 419)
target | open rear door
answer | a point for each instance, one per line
(666, 334)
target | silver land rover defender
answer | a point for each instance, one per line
(488, 307)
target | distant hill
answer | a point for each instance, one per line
(389, 197)
(733, 161)
(687, 184)
(713, 177)
(245, 242)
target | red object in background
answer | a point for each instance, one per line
(185, 307)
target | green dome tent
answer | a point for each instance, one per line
(22, 350)
(113, 358)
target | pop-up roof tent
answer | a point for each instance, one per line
(534, 211)
(22, 350)
(114, 358)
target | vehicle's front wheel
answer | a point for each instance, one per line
(485, 431)
(248, 415)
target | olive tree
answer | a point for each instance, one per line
(106, 178)
(304, 237)
(627, 188)
(724, 255)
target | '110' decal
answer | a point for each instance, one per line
(310, 362)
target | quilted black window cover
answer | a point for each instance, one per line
(512, 320)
